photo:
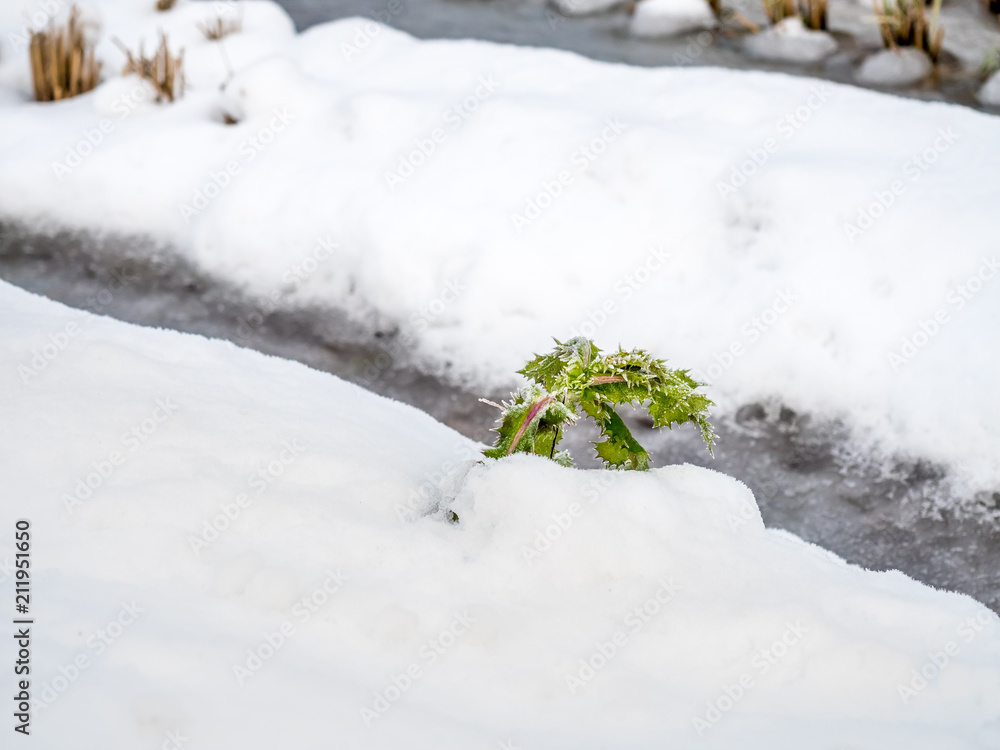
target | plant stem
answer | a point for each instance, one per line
(555, 439)
(528, 419)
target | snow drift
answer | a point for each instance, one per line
(244, 552)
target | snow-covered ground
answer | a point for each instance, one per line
(238, 551)
(786, 239)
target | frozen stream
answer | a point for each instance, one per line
(970, 34)
(788, 460)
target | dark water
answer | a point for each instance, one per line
(605, 37)
(790, 461)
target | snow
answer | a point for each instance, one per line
(584, 7)
(989, 94)
(655, 18)
(481, 198)
(903, 66)
(790, 40)
(241, 551)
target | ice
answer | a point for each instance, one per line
(584, 7)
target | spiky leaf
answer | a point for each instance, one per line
(575, 375)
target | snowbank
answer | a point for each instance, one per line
(790, 40)
(895, 67)
(655, 18)
(247, 553)
(784, 238)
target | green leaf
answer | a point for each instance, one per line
(529, 423)
(612, 452)
(575, 374)
(620, 449)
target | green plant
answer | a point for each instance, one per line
(576, 375)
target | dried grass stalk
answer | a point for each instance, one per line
(164, 71)
(62, 61)
(814, 13)
(726, 15)
(904, 23)
(779, 10)
(220, 27)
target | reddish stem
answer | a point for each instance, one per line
(532, 413)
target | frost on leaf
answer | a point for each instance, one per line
(576, 377)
